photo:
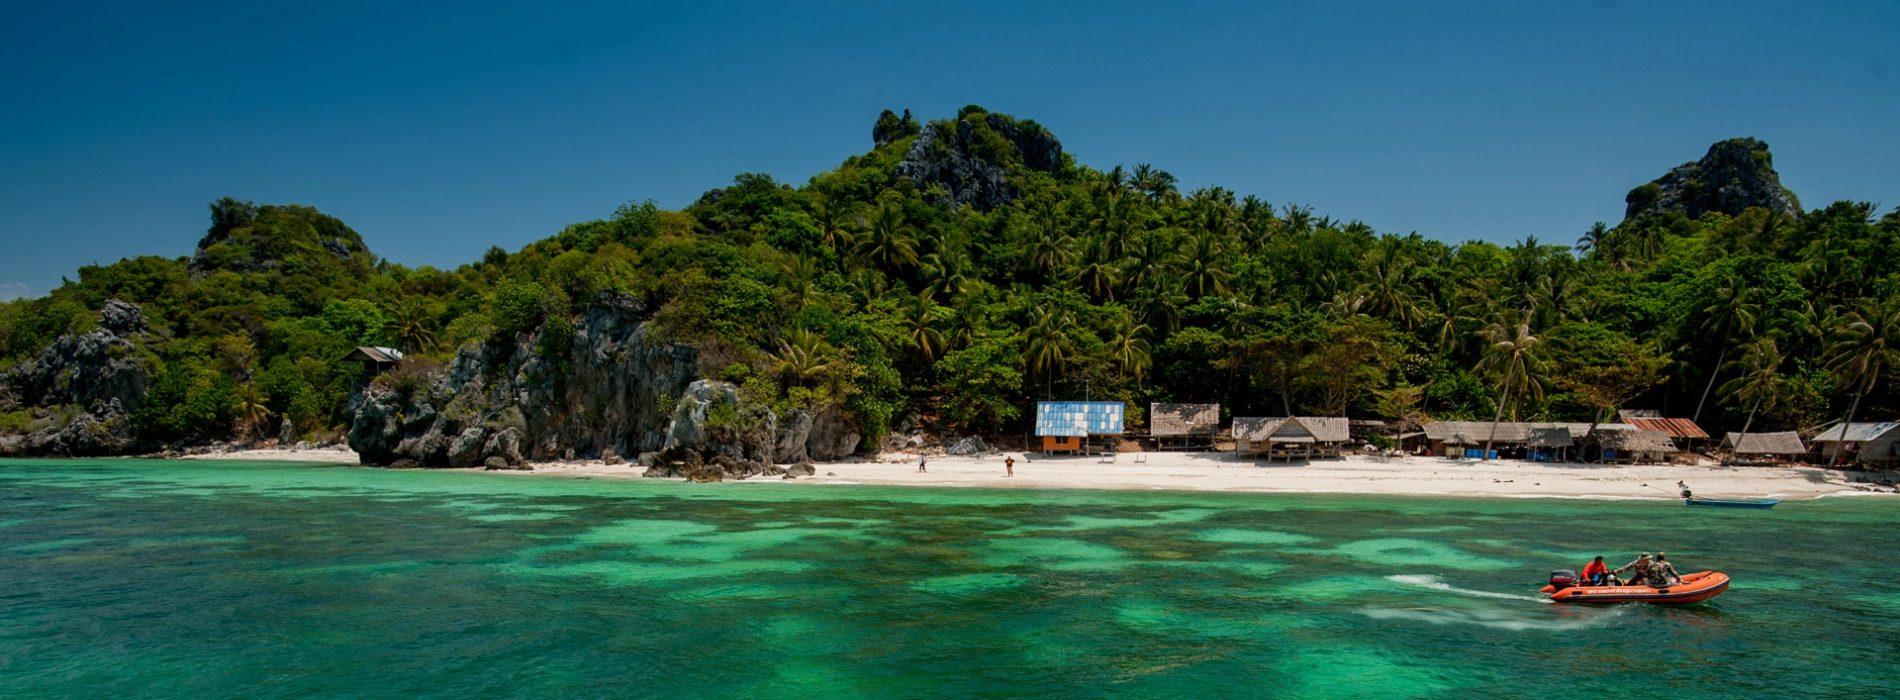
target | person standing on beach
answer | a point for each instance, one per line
(1685, 491)
(920, 462)
(1009, 466)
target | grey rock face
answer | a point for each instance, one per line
(503, 401)
(286, 433)
(1735, 174)
(794, 432)
(833, 436)
(97, 366)
(968, 447)
(952, 162)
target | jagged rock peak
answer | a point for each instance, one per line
(1735, 174)
(890, 128)
(248, 237)
(971, 159)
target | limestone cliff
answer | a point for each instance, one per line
(973, 159)
(82, 388)
(1735, 174)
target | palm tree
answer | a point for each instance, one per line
(1051, 345)
(1099, 273)
(837, 220)
(251, 408)
(1127, 349)
(804, 356)
(889, 242)
(1758, 381)
(1593, 239)
(1203, 270)
(921, 328)
(1865, 345)
(1511, 352)
(1389, 291)
(1732, 315)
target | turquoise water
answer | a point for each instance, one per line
(128, 578)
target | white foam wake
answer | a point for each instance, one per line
(1432, 582)
(1497, 619)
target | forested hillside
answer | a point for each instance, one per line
(965, 268)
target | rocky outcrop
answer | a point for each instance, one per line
(87, 368)
(508, 401)
(971, 159)
(794, 434)
(833, 436)
(1735, 174)
(83, 389)
(890, 128)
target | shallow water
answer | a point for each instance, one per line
(128, 578)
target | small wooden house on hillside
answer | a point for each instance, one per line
(1067, 426)
(1857, 442)
(1302, 437)
(376, 359)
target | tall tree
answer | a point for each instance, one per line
(1864, 347)
(1732, 316)
(1511, 354)
(1757, 381)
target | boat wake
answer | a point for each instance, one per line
(1432, 582)
(1513, 620)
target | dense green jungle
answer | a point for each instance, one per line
(964, 268)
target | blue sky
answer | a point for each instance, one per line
(439, 130)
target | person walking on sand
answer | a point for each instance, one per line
(920, 462)
(1685, 490)
(1009, 466)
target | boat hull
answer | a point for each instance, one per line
(1695, 588)
(1719, 503)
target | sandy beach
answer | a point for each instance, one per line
(1357, 475)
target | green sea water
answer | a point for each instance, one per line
(134, 579)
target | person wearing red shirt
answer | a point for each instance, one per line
(1595, 573)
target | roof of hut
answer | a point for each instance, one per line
(1295, 429)
(1550, 437)
(1170, 419)
(1787, 443)
(1507, 432)
(1633, 440)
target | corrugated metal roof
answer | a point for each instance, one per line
(1169, 419)
(1255, 429)
(1856, 432)
(1788, 443)
(1078, 418)
(1675, 427)
(374, 353)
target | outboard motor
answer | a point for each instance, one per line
(1562, 579)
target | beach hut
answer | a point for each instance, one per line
(1676, 428)
(1626, 444)
(1549, 444)
(376, 359)
(1184, 425)
(1508, 439)
(1301, 437)
(1857, 442)
(1764, 448)
(1456, 444)
(1068, 426)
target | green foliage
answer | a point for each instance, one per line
(858, 290)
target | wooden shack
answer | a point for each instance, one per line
(1184, 425)
(1873, 443)
(376, 359)
(1618, 443)
(1764, 448)
(1298, 437)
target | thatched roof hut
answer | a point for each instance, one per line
(1783, 444)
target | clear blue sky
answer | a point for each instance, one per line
(437, 131)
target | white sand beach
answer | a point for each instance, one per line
(319, 455)
(1357, 475)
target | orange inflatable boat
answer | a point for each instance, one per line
(1695, 588)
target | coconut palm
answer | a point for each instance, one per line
(1758, 381)
(1098, 272)
(1863, 348)
(1511, 353)
(1051, 342)
(1733, 315)
(804, 356)
(1127, 348)
(1593, 238)
(921, 320)
(889, 241)
(1203, 270)
(837, 221)
(251, 408)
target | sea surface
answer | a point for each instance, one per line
(192, 579)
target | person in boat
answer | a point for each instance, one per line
(1663, 573)
(1595, 573)
(1639, 569)
(1685, 490)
